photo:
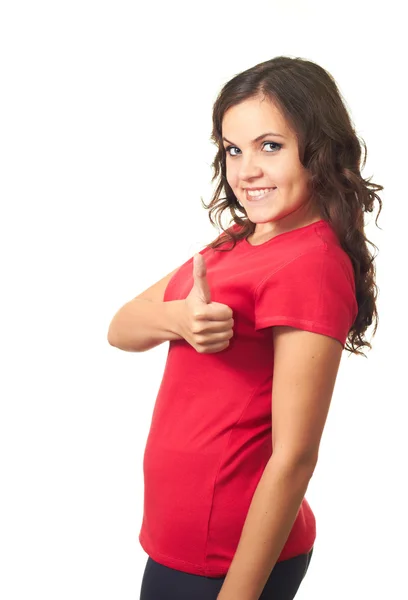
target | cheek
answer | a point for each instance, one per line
(291, 178)
(232, 178)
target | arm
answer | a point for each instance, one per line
(305, 370)
(270, 518)
(142, 324)
(146, 321)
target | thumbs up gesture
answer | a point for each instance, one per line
(205, 325)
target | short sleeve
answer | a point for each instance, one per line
(315, 292)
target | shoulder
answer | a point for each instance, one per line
(317, 265)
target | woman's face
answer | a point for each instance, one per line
(269, 162)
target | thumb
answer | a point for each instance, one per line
(201, 284)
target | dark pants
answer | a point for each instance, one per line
(162, 583)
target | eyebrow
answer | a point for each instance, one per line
(260, 137)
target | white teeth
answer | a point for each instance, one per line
(259, 192)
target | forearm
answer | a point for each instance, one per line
(143, 324)
(270, 518)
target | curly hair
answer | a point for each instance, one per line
(329, 148)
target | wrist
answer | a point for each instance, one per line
(175, 309)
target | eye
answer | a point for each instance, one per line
(278, 147)
(273, 144)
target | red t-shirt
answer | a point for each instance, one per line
(210, 436)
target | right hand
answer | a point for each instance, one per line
(205, 325)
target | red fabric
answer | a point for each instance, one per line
(210, 436)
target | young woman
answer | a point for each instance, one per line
(257, 322)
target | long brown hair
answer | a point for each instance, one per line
(329, 148)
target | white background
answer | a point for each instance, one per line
(105, 152)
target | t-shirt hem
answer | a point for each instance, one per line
(304, 324)
(175, 563)
(205, 571)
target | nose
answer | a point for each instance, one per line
(249, 168)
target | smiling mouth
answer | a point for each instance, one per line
(259, 197)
